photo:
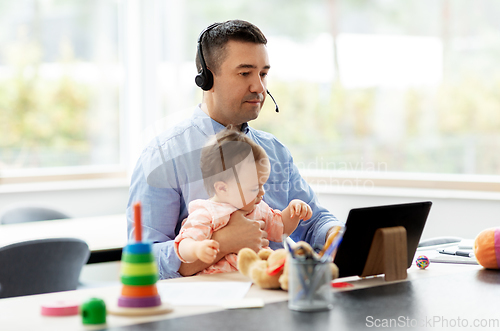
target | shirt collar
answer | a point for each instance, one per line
(209, 126)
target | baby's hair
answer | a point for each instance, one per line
(224, 151)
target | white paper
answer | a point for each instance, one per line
(244, 303)
(202, 293)
(434, 255)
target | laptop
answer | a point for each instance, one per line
(362, 223)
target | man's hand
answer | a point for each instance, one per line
(239, 233)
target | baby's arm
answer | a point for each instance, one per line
(291, 215)
(191, 250)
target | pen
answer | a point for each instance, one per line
(289, 245)
(289, 241)
(329, 254)
(330, 240)
(456, 253)
(331, 251)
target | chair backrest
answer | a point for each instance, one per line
(41, 266)
(31, 214)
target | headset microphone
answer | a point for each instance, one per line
(277, 109)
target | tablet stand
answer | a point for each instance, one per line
(388, 254)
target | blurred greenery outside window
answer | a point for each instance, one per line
(59, 84)
(380, 87)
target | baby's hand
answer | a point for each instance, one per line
(207, 250)
(300, 208)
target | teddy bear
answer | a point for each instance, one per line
(269, 269)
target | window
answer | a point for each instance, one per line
(405, 90)
(394, 89)
(60, 79)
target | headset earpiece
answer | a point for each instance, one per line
(205, 78)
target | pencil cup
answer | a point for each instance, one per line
(309, 285)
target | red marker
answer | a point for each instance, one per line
(341, 285)
(137, 222)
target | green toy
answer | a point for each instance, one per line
(93, 311)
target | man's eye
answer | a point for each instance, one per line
(264, 74)
(244, 73)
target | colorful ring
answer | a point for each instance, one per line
(137, 248)
(139, 280)
(139, 291)
(139, 302)
(138, 258)
(60, 308)
(139, 269)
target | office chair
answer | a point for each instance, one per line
(41, 266)
(30, 214)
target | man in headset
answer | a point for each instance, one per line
(233, 63)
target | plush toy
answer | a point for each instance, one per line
(269, 269)
(487, 248)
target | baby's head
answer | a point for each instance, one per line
(234, 169)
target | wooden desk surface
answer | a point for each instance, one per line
(103, 233)
(23, 313)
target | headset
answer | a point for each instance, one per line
(205, 78)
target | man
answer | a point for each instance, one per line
(233, 63)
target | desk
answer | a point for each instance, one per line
(105, 235)
(450, 293)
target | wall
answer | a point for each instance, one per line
(453, 213)
(461, 214)
(75, 198)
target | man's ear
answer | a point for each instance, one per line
(220, 188)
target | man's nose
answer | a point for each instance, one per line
(258, 85)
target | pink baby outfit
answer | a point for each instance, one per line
(206, 217)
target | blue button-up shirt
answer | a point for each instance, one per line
(167, 178)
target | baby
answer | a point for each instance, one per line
(234, 170)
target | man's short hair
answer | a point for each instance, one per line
(223, 152)
(214, 41)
